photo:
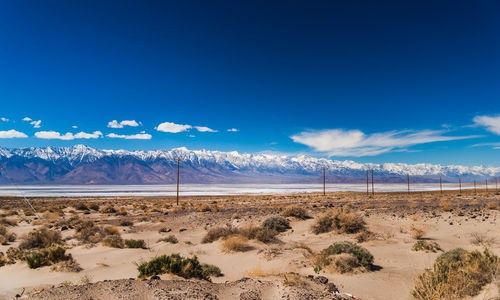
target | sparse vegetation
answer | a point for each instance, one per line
(235, 243)
(341, 220)
(177, 265)
(130, 243)
(456, 274)
(481, 239)
(216, 233)
(46, 256)
(422, 245)
(41, 238)
(344, 257)
(169, 239)
(417, 231)
(114, 241)
(276, 223)
(6, 237)
(296, 212)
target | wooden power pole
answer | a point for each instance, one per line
(408, 177)
(459, 186)
(367, 190)
(441, 184)
(178, 167)
(475, 190)
(486, 185)
(373, 190)
(324, 181)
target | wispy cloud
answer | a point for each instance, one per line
(204, 129)
(491, 123)
(116, 124)
(139, 136)
(9, 134)
(233, 130)
(4, 119)
(54, 135)
(27, 119)
(494, 145)
(339, 142)
(172, 127)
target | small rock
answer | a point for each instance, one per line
(182, 229)
(155, 277)
(321, 279)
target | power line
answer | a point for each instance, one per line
(22, 193)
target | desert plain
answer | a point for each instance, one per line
(342, 245)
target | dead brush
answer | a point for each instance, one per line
(446, 206)
(492, 206)
(236, 243)
(481, 239)
(341, 220)
(417, 231)
(218, 232)
(294, 279)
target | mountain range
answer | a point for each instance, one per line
(85, 165)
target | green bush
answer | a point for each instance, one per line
(46, 256)
(216, 233)
(135, 244)
(362, 257)
(87, 232)
(170, 239)
(340, 220)
(276, 223)
(3, 259)
(457, 274)
(178, 265)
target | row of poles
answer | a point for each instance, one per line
(370, 172)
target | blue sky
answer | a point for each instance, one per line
(362, 80)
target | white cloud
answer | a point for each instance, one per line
(54, 135)
(74, 126)
(27, 119)
(339, 142)
(115, 124)
(492, 123)
(9, 134)
(204, 129)
(172, 127)
(140, 136)
(233, 130)
(4, 119)
(36, 124)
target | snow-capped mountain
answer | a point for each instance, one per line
(85, 165)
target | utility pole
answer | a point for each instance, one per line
(486, 185)
(178, 167)
(496, 184)
(408, 176)
(459, 186)
(367, 190)
(324, 181)
(441, 184)
(373, 190)
(475, 190)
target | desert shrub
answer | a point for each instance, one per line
(353, 256)
(266, 235)
(46, 256)
(135, 244)
(108, 209)
(479, 238)
(178, 265)
(112, 230)
(68, 265)
(296, 212)
(216, 233)
(426, 246)
(14, 254)
(364, 236)
(81, 206)
(235, 243)
(114, 241)
(203, 207)
(456, 274)
(169, 239)
(6, 237)
(41, 238)
(94, 206)
(87, 232)
(126, 223)
(210, 270)
(446, 206)
(7, 222)
(417, 231)
(3, 259)
(276, 223)
(492, 205)
(341, 220)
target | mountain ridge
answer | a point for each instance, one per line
(81, 164)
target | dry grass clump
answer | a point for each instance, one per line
(296, 212)
(108, 209)
(481, 239)
(457, 274)
(294, 279)
(235, 243)
(114, 241)
(446, 206)
(218, 232)
(6, 237)
(343, 257)
(492, 206)
(260, 233)
(88, 233)
(417, 231)
(7, 222)
(426, 246)
(131, 243)
(169, 239)
(127, 223)
(364, 236)
(112, 230)
(276, 223)
(178, 265)
(41, 238)
(341, 220)
(3, 259)
(47, 256)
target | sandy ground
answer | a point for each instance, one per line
(389, 216)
